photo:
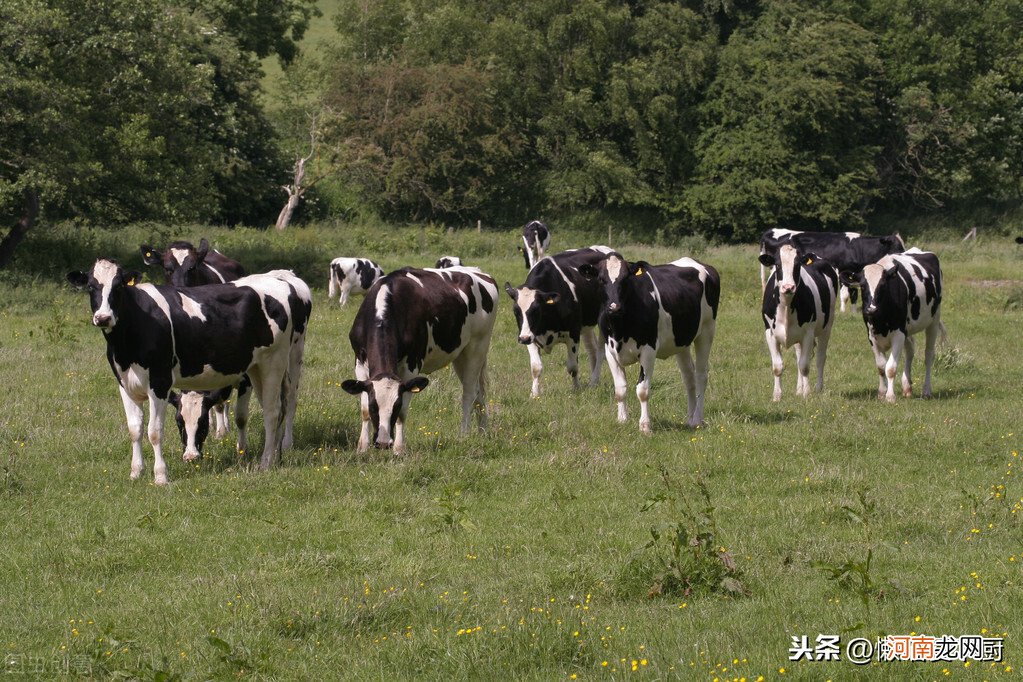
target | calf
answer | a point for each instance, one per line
(537, 237)
(844, 250)
(352, 275)
(200, 339)
(197, 410)
(186, 266)
(901, 296)
(799, 304)
(658, 311)
(560, 304)
(414, 322)
(448, 262)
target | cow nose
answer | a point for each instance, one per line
(871, 309)
(788, 288)
(101, 320)
(526, 339)
(383, 445)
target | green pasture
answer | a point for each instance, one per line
(522, 553)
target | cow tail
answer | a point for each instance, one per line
(334, 284)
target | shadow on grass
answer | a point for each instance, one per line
(870, 394)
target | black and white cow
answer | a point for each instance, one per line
(845, 250)
(560, 304)
(448, 262)
(537, 237)
(197, 410)
(186, 266)
(352, 275)
(658, 311)
(901, 297)
(200, 339)
(414, 322)
(799, 310)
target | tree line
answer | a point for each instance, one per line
(722, 117)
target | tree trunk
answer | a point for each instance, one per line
(18, 232)
(295, 193)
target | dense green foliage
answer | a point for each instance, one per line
(723, 117)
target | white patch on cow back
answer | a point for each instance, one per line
(191, 307)
(853, 235)
(179, 255)
(381, 302)
(687, 262)
(215, 271)
(415, 279)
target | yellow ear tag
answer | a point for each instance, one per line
(415, 389)
(550, 301)
(149, 254)
(809, 261)
(131, 282)
(639, 271)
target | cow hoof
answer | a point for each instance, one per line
(135, 475)
(776, 398)
(890, 399)
(907, 393)
(927, 395)
(160, 478)
(645, 428)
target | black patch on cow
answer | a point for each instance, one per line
(486, 300)
(367, 271)
(276, 311)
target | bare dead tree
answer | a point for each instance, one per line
(297, 189)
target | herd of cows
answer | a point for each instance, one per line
(212, 330)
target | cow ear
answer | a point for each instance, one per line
(512, 291)
(551, 299)
(849, 277)
(204, 248)
(766, 259)
(78, 279)
(132, 277)
(809, 258)
(415, 385)
(588, 270)
(353, 386)
(150, 256)
(641, 267)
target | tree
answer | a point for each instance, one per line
(791, 127)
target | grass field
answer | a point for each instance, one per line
(519, 554)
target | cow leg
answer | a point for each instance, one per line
(346, 288)
(535, 368)
(931, 341)
(843, 296)
(907, 368)
(777, 362)
(293, 377)
(647, 356)
(803, 352)
(589, 335)
(219, 415)
(880, 360)
(133, 414)
(684, 360)
(702, 345)
(241, 415)
(890, 368)
(572, 361)
(621, 382)
(470, 368)
(157, 413)
(270, 385)
(362, 374)
(822, 355)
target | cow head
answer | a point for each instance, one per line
(893, 243)
(531, 308)
(787, 263)
(179, 262)
(873, 281)
(106, 284)
(448, 262)
(613, 273)
(385, 395)
(193, 419)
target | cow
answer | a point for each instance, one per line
(844, 250)
(200, 339)
(448, 262)
(1019, 240)
(798, 310)
(537, 237)
(412, 323)
(186, 266)
(559, 304)
(658, 311)
(901, 297)
(197, 410)
(352, 275)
